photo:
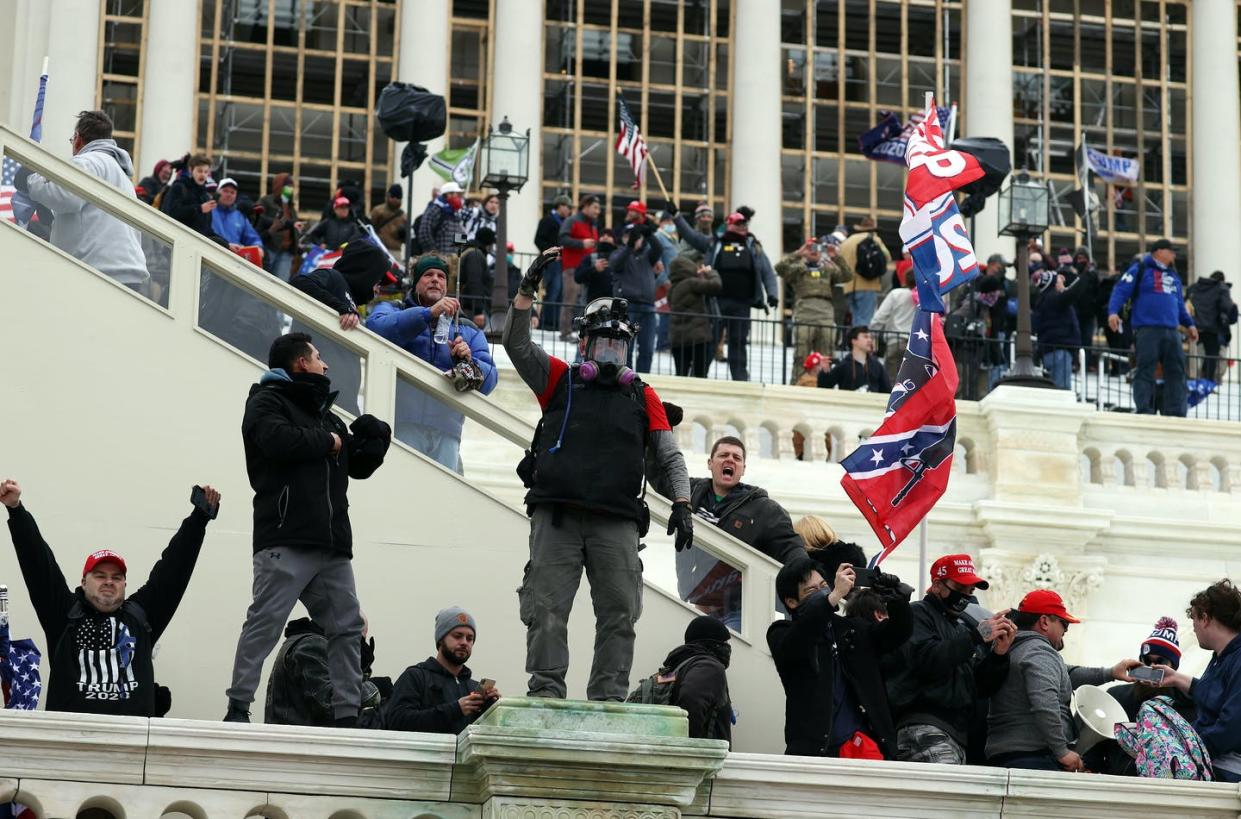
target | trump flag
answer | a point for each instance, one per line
(895, 476)
(931, 226)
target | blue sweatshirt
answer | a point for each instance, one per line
(1156, 294)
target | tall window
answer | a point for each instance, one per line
(291, 86)
(470, 54)
(670, 59)
(844, 64)
(1117, 71)
(121, 62)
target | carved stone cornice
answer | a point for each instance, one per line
(1013, 575)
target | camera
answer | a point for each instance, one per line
(460, 239)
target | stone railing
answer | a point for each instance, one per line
(1145, 453)
(524, 758)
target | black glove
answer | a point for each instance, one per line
(368, 426)
(21, 180)
(890, 587)
(670, 208)
(368, 655)
(534, 274)
(773, 301)
(681, 521)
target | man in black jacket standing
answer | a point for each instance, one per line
(300, 457)
(745, 512)
(829, 664)
(439, 694)
(99, 641)
(949, 663)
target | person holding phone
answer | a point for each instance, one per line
(1216, 615)
(829, 665)
(99, 640)
(949, 663)
(439, 695)
(1161, 648)
(1030, 722)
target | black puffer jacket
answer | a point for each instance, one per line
(425, 699)
(299, 690)
(299, 486)
(945, 669)
(805, 654)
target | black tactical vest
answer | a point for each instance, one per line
(598, 462)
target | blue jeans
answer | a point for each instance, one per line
(553, 287)
(862, 305)
(281, 264)
(436, 445)
(644, 316)
(1059, 367)
(665, 325)
(1159, 345)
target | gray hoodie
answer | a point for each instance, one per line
(88, 233)
(1030, 712)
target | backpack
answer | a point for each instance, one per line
(871, 263)
(1164, 745)
(662, 687)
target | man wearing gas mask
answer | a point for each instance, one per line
(949, 662)
(584, 472)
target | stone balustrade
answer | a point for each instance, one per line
(524, 759)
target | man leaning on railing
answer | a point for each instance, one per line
(82, 229)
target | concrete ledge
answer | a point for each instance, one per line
(300, 760)
(81, 747)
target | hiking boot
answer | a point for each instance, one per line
(237, 712)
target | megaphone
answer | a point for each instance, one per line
(1096, 713)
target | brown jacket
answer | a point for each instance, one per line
(388, 222)
(688, 294)
(848, 252)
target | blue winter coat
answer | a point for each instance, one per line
(1217, 696)
(232, 225)
(1156, 293)
(412, 329)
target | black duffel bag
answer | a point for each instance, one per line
(410, 113)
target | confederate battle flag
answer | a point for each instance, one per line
(895, 476)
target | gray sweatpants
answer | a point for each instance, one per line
(608, 549)
(323, 581)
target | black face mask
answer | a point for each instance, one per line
(956, 602)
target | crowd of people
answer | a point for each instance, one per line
(866, 673)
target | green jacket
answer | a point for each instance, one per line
(805, 283)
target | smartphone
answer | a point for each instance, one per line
(1145, 674)
(863, 577)
(485, 685)
(198, 497)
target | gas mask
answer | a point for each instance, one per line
(606, 361)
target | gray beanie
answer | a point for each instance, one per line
(450, 618)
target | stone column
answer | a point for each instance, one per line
(988, 108)
(168, 90)
(73, 69)
(423, 60)
(517, 93)
(755, 148)
(1215, 199)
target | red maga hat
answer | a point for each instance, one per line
(1045, 601)
(103, 556)
(959, 568)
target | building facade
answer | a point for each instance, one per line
(757, 102)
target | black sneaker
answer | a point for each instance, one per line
(237, 712)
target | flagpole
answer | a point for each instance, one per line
(922, 549)
(650, 160)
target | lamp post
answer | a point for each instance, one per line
(1024, 211)
(506, 162)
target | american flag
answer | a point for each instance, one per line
(629, 142)
(19, 672)
(8, 169)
